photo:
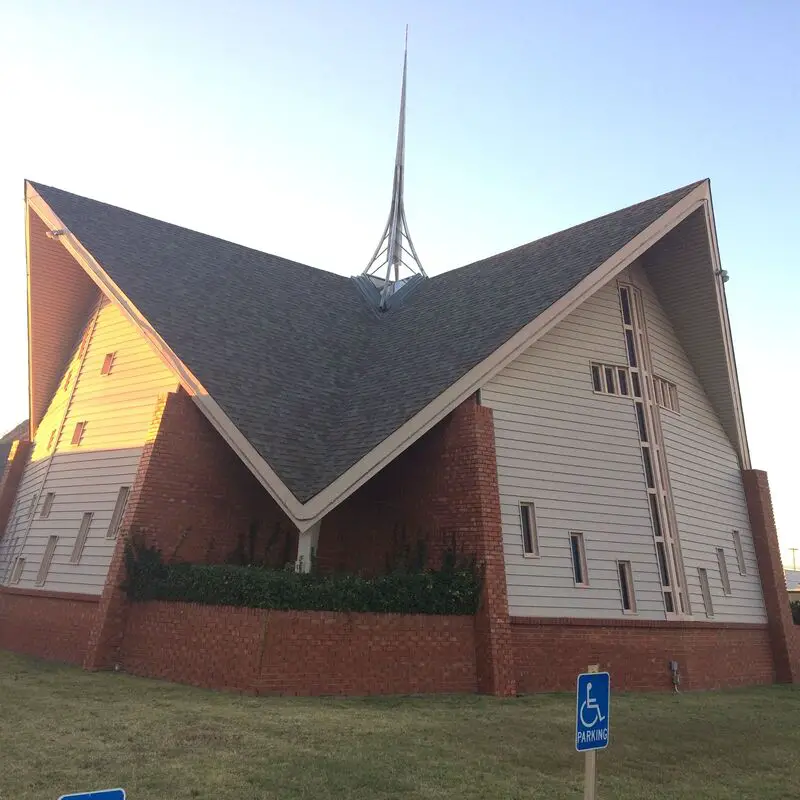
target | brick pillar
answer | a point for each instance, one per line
(10, 477)
(106, 637)
(468, 487)
(783, 635)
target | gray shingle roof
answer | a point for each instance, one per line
(306, 370)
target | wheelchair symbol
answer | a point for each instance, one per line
(590, 704)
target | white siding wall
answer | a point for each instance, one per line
(705, 476)
(118, 409)
(576, 454)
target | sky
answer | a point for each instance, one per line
(273, 124)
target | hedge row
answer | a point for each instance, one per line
(454, 589)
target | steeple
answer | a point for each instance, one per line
(395, 260)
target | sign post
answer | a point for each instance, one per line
(592, 727)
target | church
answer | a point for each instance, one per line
(567, 412)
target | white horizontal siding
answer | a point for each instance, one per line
(118, 409)
(576, 455)
(705, 476)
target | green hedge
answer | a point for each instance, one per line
(453, 589)
(795, 604)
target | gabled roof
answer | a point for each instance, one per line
(312, 376)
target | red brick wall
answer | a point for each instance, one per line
(444, 489)
(197, 499)
(299, 652)
(773, 581)
(10, 476)
(50, 625)
(549, 653)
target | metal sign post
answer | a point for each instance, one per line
(592, 727)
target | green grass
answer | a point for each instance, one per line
(62, 730)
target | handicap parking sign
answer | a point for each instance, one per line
(102, 794)
(592, 709)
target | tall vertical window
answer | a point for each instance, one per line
(47, 505)
(648, 393)
(578, 552)
(80, 541)
(47, 558)
(530, 537)
(626, 586)
(119, 511)
(705, 589)
(77, 434)
(737, 546)
(51, 438)
(723, 571)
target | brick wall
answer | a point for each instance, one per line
(50, 625)
(299, 652)
(773, 581)
(443, 489)
(197, 499)
(549, 653)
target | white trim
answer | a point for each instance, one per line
(727, 336)
(305, 515)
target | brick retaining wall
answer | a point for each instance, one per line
(299, 652)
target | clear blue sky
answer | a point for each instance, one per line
(273, 124)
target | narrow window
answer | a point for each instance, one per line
(44, 567)
(662, 563)
(597, 381)
(723, 571)
(579, 572)
(657, 391)
(67, 380)
(669, 603)
(637, 389)
(737, 546)
(77, 434)
(656, 517)
(610, 386)
(648, 468)
(47, 505)
(108, 363)
(631, 348)
(50, 440)
(19, 568)
(704, 587)
(640, 420)
(622, 374)
(626, 586)
(83, 532)
(626, 306)
(122, 501)
(673, 392)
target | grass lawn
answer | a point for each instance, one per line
(62, 730)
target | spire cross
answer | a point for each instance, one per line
(391, 243)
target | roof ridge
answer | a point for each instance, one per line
(36, 185)
(682, 191)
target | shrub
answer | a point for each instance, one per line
(453, 589)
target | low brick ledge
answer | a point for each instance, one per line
(576, 622)
(48, 595)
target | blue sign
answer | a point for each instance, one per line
(103, 794)
(592, 711)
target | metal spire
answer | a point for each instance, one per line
(395, 249)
